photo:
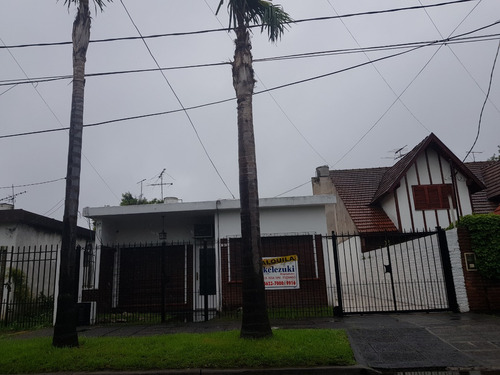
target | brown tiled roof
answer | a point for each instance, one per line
(393, 176)
(488, 172)
(356, 188)
(362, 189)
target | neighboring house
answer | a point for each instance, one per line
(24, 228)
(29, 249)
(426, 188)
(183, 257)
(487, 200)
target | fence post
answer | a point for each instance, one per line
(447, 270)
(388, 269)
(337, 310)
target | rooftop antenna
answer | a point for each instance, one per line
(474, 154)
(12, 198)
(398, 153)
(161, 182)
(140, 182)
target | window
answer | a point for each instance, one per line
(432, 197)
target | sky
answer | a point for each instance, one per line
(349, 109)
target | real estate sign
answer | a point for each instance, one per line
(281, 272)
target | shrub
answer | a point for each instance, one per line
(485, 240)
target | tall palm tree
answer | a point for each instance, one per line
(243, 14)
(66, 317)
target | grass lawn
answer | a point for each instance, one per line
(287, 348)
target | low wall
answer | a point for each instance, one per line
(483, 294)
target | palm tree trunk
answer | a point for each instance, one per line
(65, 334)
(255, 321)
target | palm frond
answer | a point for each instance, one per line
(274, 19)
(271, 17)
(98, 3)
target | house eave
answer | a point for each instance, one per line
(205, 206)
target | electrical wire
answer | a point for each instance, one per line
(256, 93)
(484, 103)
(197, 32)
(179, 101)
(33, 184)
(471, 39)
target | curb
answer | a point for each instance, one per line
(335, 370)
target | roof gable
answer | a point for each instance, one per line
(356, 188)
(393, 175)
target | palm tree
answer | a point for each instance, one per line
(65, 334)
(243, 14)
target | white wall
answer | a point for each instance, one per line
(419, 282)
(424, 173)
(278, 220)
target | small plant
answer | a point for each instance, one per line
(24, 308)
(485, 239)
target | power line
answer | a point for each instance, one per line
(407, 87)
(33, 184)
(256, 93)
(179, 101)
(485, 101)
(197, 32)
(345, 51)
(380, 73)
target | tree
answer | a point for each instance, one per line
(495, 157)
(65, 334)
(129, 200)
(243, 13)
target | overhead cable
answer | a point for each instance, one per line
(256, 93)
(368, 13)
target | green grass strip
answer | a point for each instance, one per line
(287, 348)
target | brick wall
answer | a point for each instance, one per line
(483, 293)
(312, 292)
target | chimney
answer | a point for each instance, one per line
(322, 171)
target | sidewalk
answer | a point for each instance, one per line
(385, 342)
(425, 341)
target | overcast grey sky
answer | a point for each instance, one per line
(352, 119)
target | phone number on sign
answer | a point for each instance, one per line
(281, 283)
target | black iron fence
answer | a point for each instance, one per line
(393, 272)
(306, 275)
(27, 285)
(201, 280)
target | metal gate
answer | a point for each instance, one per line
(393, 272)
(27, 285)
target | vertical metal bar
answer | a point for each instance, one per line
(447, 270)
(9, 287)
(339, 310)
(390, 273)
(205, 296)
(163, 282)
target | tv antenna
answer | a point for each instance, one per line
(161, 184)
(140, 182)
(474, 154)
(398, 153)
(12, 198)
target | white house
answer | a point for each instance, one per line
(149, 256)
(29, 253)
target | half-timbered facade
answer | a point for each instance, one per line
(427, 188)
